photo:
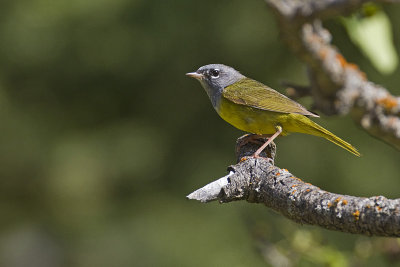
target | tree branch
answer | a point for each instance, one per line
(259, 181)
(302, 11)
(337, 86)
(306, 10)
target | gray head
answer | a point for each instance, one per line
(214, 78)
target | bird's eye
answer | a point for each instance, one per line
(214, 73)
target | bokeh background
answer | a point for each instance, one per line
(102, 136)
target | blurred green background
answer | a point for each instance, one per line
(102, 136)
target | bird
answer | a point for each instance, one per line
(255, 108)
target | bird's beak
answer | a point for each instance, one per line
(195, 75)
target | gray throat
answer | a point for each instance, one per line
(214, 94)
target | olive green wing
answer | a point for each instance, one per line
(251, 93)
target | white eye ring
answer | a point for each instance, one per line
(214, 73)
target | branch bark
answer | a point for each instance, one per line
(337, 86)
(259, 181)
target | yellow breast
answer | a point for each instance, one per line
(251, 119)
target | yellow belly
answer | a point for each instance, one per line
(254, 120)
(264, 122)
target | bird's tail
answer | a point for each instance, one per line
(318, 130)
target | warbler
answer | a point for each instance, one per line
(256, 108)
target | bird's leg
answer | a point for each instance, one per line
(278, 132)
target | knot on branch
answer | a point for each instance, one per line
(248, 144)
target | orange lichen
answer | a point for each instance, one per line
(338, 199)
(277, 174)
(356, 215)
(243, 159)
(355, 67)
(330, 204)
(341, 60)
(308, 190)
(294, 191)
(388, 102)
(285, 170)
(368, 206)
(295, 185)
(344, 202)
(378, 208)
(345, 64)
(352, 66)
(363, 75)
